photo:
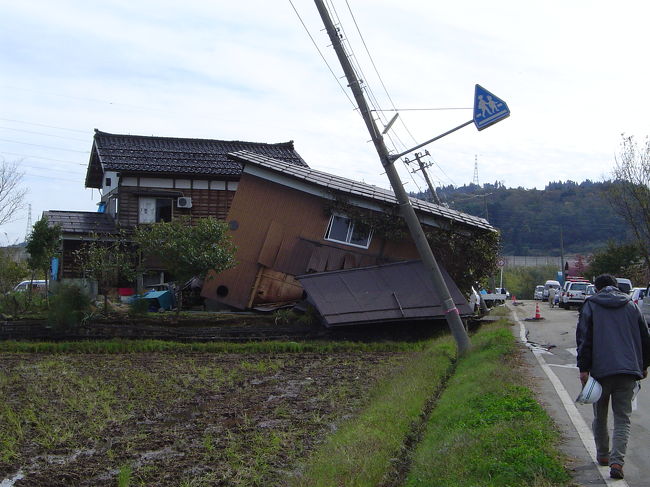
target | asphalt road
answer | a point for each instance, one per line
(553, 359)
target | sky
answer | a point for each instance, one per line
(573, 74)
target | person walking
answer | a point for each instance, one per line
(551, 297)
(614, 348)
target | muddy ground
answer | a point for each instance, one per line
(175, 420)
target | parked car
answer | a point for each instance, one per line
(550, 284)
(591, 290)
(637, 294)
(573, 294)
(624, 284)
(502, 290)
(37, 285)
(645, 306)
(539, 293)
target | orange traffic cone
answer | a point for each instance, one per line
(538, 316)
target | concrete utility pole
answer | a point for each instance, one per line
(423, 168)
(451, 312)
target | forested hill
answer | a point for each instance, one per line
(533, 222)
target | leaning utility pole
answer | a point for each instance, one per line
(423, 168)
(451, 312)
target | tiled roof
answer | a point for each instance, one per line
(175, 156)
(385, 293)
(340, 184)
(81, 222)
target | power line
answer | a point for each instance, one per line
(42, 133)
(21, 165)
(51, 177)
(423, 109)
(44, 146)
(394, 109)
(322, 56)
(44, 158)
(43, 125)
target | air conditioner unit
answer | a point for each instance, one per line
(184, 202)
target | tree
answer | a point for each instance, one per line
(187, 248)
(42, 244)
(615, 259)
(12, 196)
(107, 261)
(630, 192)
(11, 272)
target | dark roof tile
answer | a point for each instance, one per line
(81, 222)
(355, 188)
(175, 156)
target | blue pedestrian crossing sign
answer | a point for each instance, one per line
(488, 109)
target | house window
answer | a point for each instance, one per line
(154, 210)
(345, 230)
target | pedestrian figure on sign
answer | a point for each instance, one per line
(492, 105)
(614, 348)
(482, 105)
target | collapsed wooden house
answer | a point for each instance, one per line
(288, 221)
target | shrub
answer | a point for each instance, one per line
(69, 307)
(20, 304)
(138, 307)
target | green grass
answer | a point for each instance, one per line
(120, 346)
(363, 451)
(487, 429)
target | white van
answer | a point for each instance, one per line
(548, 285)
(624, 285)
(37, 285)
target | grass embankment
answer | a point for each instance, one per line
(486, 428)
(364, 451)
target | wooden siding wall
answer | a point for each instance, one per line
(205, 202)
(282, 228)
(68, 268)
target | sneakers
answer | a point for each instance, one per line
(603, 461)
(616, 471)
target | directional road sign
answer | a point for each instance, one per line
(488, 109)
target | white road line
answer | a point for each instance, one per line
(563, 366)
(583, 430)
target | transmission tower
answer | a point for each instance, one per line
(28, 230)
(475, 180)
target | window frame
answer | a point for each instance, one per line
(349, 233)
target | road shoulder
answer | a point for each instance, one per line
(580, 463)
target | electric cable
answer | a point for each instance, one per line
(44, 146)
(322, 56)
(43, 133)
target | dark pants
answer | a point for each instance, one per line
(620, 389)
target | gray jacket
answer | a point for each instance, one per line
(612, 336)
